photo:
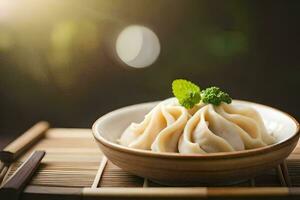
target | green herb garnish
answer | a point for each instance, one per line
(215, 96)
(188, 94)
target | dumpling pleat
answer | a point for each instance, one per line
(167, 139)
(254, 132)
(198, 133)
(160, 130)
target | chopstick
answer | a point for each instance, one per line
(22, 143)
(13, 187)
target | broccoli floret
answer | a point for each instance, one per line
(215, 96)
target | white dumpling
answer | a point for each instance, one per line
(254, 132)
(208, 132)
(224, 128)
(167, 140)
(160, 130)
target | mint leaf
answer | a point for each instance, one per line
(215, 96)
(187, 93)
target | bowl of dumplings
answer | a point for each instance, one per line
(205, 145)
(197, 137)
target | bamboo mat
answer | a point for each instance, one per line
(73, 158)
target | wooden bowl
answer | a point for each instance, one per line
(192, 169)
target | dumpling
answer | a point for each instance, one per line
(250, 121)
(160, 130)
(224, 128)
(208, 132)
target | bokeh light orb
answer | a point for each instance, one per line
(138, 46)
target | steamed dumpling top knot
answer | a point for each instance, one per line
(160, 130)
(224, 128)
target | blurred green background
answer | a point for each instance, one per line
(58, 60)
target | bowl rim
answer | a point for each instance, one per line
(170, 155)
